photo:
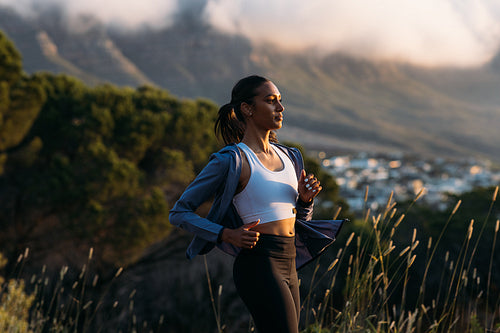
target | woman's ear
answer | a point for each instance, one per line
(246, 109)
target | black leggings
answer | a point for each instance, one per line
(266, 280)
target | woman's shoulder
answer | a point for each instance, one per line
(226, 154)
(294, 152)
(227, 150)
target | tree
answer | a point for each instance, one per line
(93, 166)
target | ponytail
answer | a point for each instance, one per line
(230, 125)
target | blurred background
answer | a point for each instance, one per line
(107, 111)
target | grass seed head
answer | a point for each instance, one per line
(337, 213)
(456, 207)
(349, 239)
(422, 192)
(412, 260)
(118, 272)
(399, 220)
(332, 265)
(389, 201)
(404, 251)
(87, 305)
(471, 228)
(367, 215)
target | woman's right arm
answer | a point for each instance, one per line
(205, 185)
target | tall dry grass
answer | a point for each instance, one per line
(379, 278)
(62, 303)
(385, 292)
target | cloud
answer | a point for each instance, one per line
(425, 32)
(129, 14)
(428, 32)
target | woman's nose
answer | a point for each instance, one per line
(280, 107)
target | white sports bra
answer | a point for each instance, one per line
(269, 195)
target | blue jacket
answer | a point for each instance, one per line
(219, 179)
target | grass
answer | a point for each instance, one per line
(379, 280)
(379, 283)
(59, 304)
(384, 286)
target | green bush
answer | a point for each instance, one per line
(15, 304)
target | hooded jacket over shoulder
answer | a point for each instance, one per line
(219, 180)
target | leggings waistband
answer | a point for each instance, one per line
(273, 246)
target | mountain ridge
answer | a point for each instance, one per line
(333, 102)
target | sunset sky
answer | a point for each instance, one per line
(425, 32)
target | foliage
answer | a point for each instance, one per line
(14, 304)
(10, 61)
(92, 166)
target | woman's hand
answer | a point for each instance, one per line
(309, 187)
(242, 237)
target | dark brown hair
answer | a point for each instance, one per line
(230, 123)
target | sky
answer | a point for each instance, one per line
(424, 32)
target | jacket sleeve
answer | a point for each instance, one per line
(202, 189)
(304, 210)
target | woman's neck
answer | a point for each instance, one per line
(257, 142)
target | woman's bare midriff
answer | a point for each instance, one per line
(285, 227)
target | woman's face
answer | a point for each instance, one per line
(267, 110)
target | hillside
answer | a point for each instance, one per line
(335, 102)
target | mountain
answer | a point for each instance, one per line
(334, 102)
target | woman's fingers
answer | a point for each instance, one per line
(309, 187)
(249, 242)
(250, 238)
(247, 237)
(249, 245)
(250, 225)
(302, 176)
(311, 183)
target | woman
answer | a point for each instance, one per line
(262, 207)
